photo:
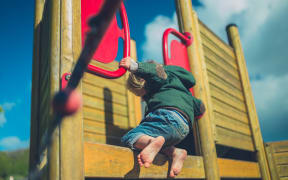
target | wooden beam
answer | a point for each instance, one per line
(107, 161)
(234, 40)
(34, 125)
(189, 23)
(54, 55)
(238, 169)
(71, 136)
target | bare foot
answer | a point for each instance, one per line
(178, 158)
(148, 154)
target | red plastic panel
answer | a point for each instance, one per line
(178, 50)
(179, 56)
(110, 40)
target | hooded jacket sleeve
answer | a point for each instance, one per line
(185, 76)
(151, 72)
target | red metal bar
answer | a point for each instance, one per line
(126, 50)
(186, 38)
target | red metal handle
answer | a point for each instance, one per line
(186, 38)
(126, 50)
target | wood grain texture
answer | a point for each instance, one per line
(227, 122)
(118, 162)
(207, 129)
(234, 40)
(238, 169)
(234, 139)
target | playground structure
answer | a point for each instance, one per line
(227, 141)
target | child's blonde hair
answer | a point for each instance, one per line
(136, 85)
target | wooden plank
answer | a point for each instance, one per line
(284, 178)
(107, 117)
(110, 66)
(104, 105)
(223, 80)
(103, 128)
(216, 39)
(224, 121)
(234, 139)
(101, 93)
(229, 99)
(119, 162)
(210, 46)
(211, 56)
(223, 74)
(229, 111)
(281, 146)
(238, 169)
(282, 170)
(281, 158)
(102, 82)
(224, 85)
(101, 138)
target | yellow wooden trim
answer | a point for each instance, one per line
(189, 23)
(257, 137)
(118, 162)
(238, 169)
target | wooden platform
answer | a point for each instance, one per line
(103, 160)
(277, 154)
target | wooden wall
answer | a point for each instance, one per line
(277, 155)
(230, 117)
(108, 107)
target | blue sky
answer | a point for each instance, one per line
(264, 36)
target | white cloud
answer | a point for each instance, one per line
(2, 119)
(152, 47)
(7, 106)
(271, 100)
(13, 143)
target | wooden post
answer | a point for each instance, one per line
(54, 59)
(71, 130)
(234, 40)
(34, 135)
(188, 21)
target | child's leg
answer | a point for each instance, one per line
(150, 147)
(178, 157)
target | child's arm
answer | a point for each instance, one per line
(149, 71)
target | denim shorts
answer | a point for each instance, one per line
(162, 122)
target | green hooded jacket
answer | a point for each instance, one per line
(168, 86)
